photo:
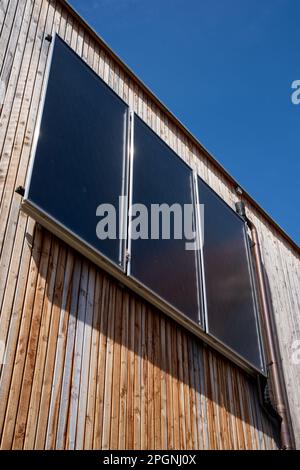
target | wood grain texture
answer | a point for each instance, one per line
(88, 363)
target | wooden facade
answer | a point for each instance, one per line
(89, 364)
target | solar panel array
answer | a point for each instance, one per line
(89, 153)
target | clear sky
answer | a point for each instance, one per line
(225, 69)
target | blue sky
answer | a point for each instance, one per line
(225, 69)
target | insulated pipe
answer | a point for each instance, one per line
(272, 350)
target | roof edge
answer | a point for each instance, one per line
(178, 123)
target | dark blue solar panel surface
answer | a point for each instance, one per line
(163, 265)
(79, 160)
(230, 303)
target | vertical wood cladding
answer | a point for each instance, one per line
(89, 364)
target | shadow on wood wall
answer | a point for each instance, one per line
(105, 369)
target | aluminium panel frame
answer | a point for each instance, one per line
(27, 203)
(255, 303)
